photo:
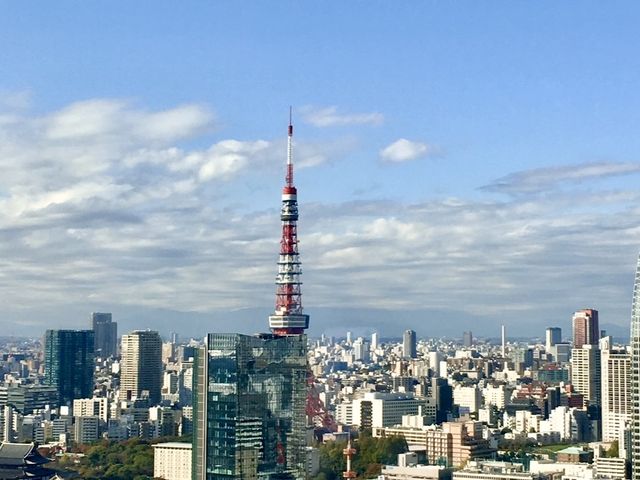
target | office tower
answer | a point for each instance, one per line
(105, 332)
(586, 374)
(467, 339)
(409, 349)
(68, 363)
(616, 388)
(254, 391)
(635, 378)
(553, 336)
(349, 338)
(250, 391)
(141, 366)
(374, 341)
(586, 330)
(504, 341)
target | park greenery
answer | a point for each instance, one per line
(128, 460)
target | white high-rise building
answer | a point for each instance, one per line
(616, 387)
(635, 378)
(141, 368)
(361, 350)
(585, 373)
(374, 341)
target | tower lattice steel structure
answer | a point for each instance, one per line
(288, 318)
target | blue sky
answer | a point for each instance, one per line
(469, 158)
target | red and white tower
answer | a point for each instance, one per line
(288, 318)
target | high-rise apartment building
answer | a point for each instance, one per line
(586, 329)
(68, 363)
(635, 378)
(616, 390)
(586, 374)
(105, 332)
(250, 407)
(553, 336)
(141, 366)
(409, 344)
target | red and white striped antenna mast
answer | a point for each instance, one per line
(288, 318)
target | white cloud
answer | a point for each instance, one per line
(403, 150)
(330, 117)
(541, 179)
(119, 217)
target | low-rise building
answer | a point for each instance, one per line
(172, 461)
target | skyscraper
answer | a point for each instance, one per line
(586, 330)
(635, 378)
(409, 348)
(250, 394)
(250, 407)
(616, 390)
(68, 363)
(105, 332)
(141, 366)
(552, 337)
(467, 339)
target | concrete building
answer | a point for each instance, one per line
(85, 407)
(586, 374)
(500, 471)
(616, 390)
(86, 430)
(377, 409)
(172, 461)
(141, 366)
(409, 344)
(468, 397)
(27, 398)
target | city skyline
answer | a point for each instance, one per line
(487, 174)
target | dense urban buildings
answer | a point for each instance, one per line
(105, 332)
(141, 366)
(68, 363)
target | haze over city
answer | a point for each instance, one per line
(457, 165)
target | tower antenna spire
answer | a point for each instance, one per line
(288, 318)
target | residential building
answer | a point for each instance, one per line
(141, 366)
(635, 378)
(616, 390)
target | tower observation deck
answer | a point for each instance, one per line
(288, 318)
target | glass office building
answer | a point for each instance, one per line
(249, 407)
(68, 363)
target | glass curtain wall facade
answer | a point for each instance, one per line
(68, 363)
(249, 407)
